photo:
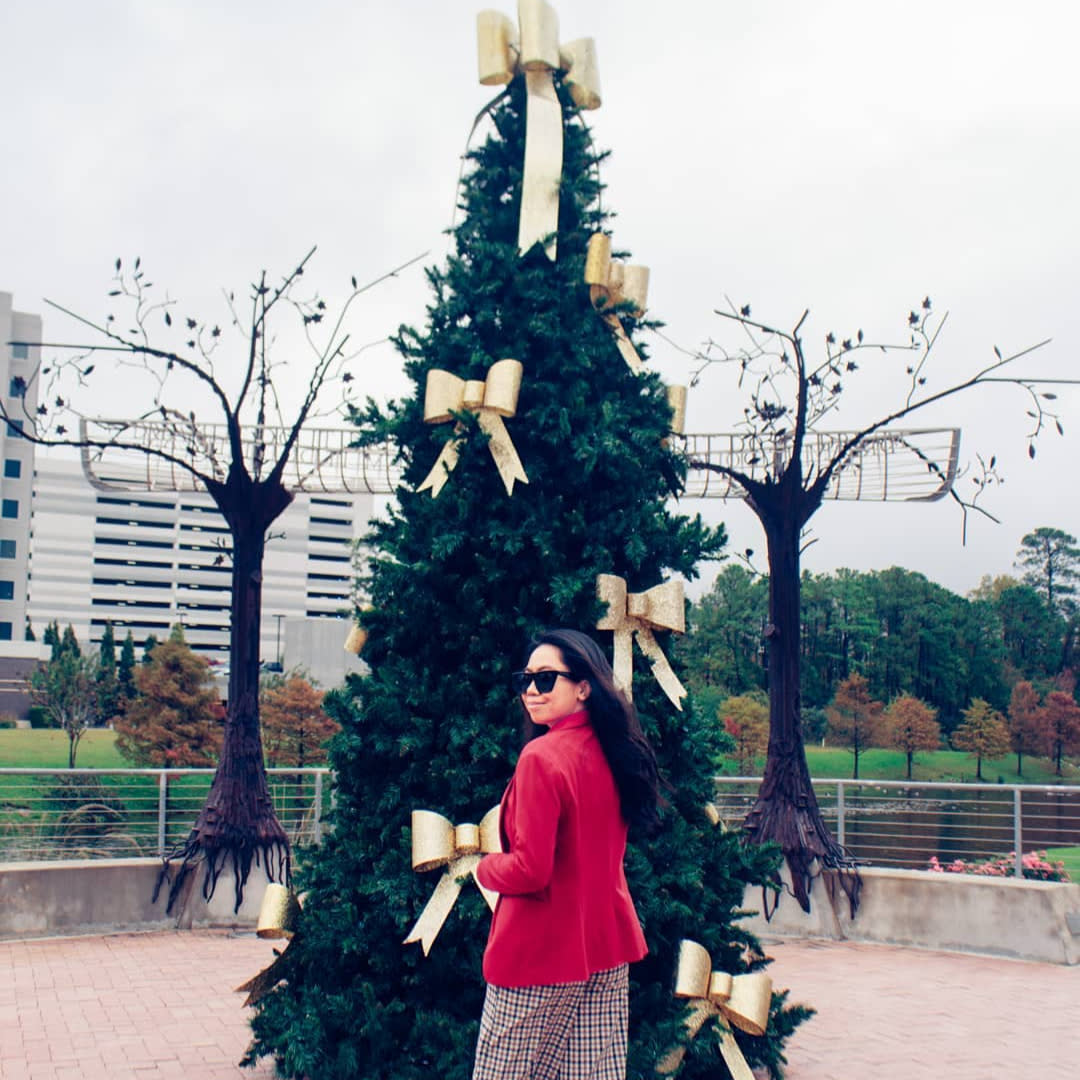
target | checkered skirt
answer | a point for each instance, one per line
(571, 1031)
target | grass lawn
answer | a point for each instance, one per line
(1070, 856)
(26, 748)
(945, 766)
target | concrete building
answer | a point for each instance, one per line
(18, 364)
(144, 561)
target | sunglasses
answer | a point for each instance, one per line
(544, 680)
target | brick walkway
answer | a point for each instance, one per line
(161, 1005)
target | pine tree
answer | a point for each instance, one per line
(108, 686)
(457, 585)
(125, 668)
(175, 719)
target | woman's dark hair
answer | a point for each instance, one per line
(615, 721)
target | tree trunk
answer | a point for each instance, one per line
(910, 757)
(786, 809)
(237, 822)
(855, 771)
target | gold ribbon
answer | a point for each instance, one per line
(503, 52)
(613, 283)
(491, 399)
(636, 615)
(742, 1000)
(356, 640)
(436, 842)
(279, 916)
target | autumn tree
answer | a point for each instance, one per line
(855, 717)
(911, 725)
(66, 688)
(1026, 721)
(982, 733)
(229, 369)
(746, 719)
(785, 467)
(174, 721)
(295, 727)
(1062, 726)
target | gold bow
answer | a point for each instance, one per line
(636, 615)
(742, 1000)
(279, 916)
(502, 54)
(613, 283)
(436, 842)
(491, 399)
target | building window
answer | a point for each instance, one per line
(5, 631)
(7, 549)
(7, 590)
(15, 429)
(20, 351)
(10, 508)
(12, 468)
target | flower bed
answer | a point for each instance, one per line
(1036, 867)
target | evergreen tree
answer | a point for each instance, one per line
(149, 646)
(457, 585)
(108, 686)
(69, 643)
(125, 668)
(52, 638)
(175, 719)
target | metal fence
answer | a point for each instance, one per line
(50, 814)
(113, 813)
(897, 823)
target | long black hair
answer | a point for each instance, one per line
(615, 721)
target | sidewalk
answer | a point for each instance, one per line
(144, 1006)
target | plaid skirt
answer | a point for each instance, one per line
(571, 1031)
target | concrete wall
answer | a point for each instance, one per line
(45, 899)
(1028, 920)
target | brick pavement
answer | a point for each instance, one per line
(143, 1006)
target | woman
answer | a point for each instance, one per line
(565, 928)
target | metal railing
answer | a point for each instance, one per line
(48, 814)
(903, 824)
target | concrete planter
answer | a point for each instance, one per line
(1026, 920)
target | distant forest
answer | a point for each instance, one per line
(900, 631)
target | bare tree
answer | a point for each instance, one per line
(241, 461)
(786, 470)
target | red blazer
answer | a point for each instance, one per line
(564, 910)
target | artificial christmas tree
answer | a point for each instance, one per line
(462, 573)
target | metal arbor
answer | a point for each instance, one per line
(913, 465)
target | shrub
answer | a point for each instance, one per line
(1036, 867)
(8, 721)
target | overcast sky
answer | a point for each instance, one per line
(842, 156)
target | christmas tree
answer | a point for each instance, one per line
(458, 583)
